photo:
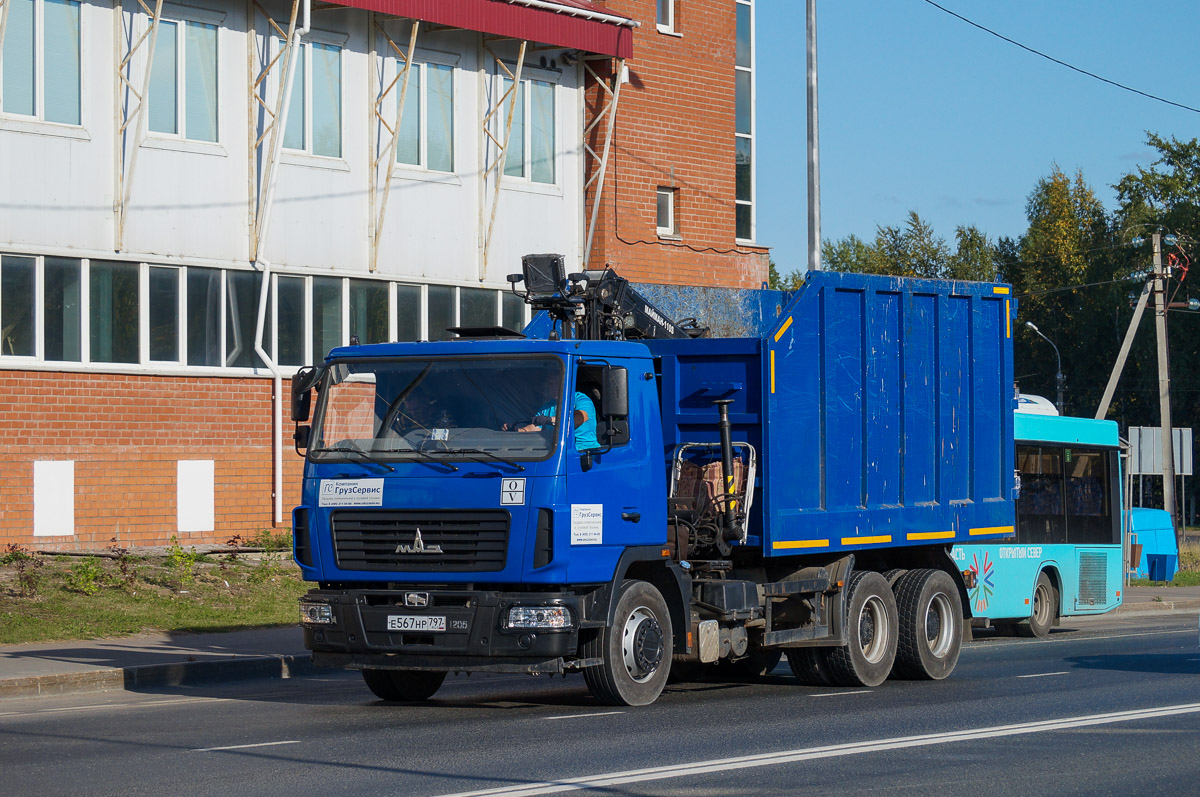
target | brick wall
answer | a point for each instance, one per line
(125, 434)
(675, 128)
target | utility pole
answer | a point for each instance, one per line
(1164, 384)
(814, 147)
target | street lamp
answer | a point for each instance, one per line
(1058, 377)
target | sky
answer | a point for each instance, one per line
(921, 111)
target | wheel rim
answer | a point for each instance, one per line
(939, 625)
(873, 629)
(1041, 604)
(641, 645)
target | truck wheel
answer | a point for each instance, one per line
(1045, 609)
(636, 651)
(871, 631)
(810, 666)
(403, 686)
(930, 625)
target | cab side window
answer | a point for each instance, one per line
(609, 430)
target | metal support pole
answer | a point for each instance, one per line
(598, 175)
(497, 166)
(136, 116)
(1164, 384)
(1126, 345)
(814, 144)
(394, 130)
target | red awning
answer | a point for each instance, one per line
(577, 24)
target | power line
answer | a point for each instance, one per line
(1063, 63)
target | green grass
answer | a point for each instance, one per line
(49, 599)
(1186, 575)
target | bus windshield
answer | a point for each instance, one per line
(449, 408)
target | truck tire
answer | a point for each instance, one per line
(810, 666)
(930, 613)
(635, 651)
(403, 686)
(1044, 611)
(871, 631)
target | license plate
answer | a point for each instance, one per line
(415, 622)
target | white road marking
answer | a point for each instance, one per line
(839, 694)
(135, 704)
(612, 779)
(242, 746)
(984, 644)
(1044, 674)
(581, 716)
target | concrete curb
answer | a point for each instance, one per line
(182, 673)
(1190, 604)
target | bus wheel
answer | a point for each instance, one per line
(930, 625)
(407, 686)
(1045, 609)
(810, 666)
(871, 631)
(635, 651)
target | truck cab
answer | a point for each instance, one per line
(460, 487)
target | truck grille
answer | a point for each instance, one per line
(373, 539)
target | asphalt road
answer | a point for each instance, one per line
(1108, 706)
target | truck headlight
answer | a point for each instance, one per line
(316, 614)
(539, 617)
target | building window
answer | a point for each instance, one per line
(314, 123)
(113, 303)
(164, 314)
(241, 319)
(203, 316)
(744, 122)
(289, 321)
(442, 311)
(183, 81)
(477, 307)
(369, 311)
(326, 315)
(531, 151)
(426, 137)
(60, 309)
(40, 65)
(408, 312)
(666, 16)
(16, 306)
(665, 212)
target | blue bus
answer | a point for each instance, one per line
(1066, 556)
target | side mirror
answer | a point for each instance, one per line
(614, 392)
(302, 382)
(301, 438)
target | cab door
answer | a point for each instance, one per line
(617, 493)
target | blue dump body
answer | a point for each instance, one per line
(881, 408)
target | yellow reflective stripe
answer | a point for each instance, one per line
(783, 329)
(866, 540)
(772, 370)
(1008, 318)
(931, 535)
(800, 544)
(1001, 289)
(992, 530)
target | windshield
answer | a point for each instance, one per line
(450, 408)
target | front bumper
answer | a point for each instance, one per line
(475, 638)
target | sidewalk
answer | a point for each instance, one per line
(175, 659)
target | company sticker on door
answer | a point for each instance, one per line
(587, 524)
(351, 492)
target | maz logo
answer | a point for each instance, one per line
(418, 546)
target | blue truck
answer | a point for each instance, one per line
(712, 504)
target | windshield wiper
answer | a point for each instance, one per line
(362, 455)
(483, 453)
(422, 454)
